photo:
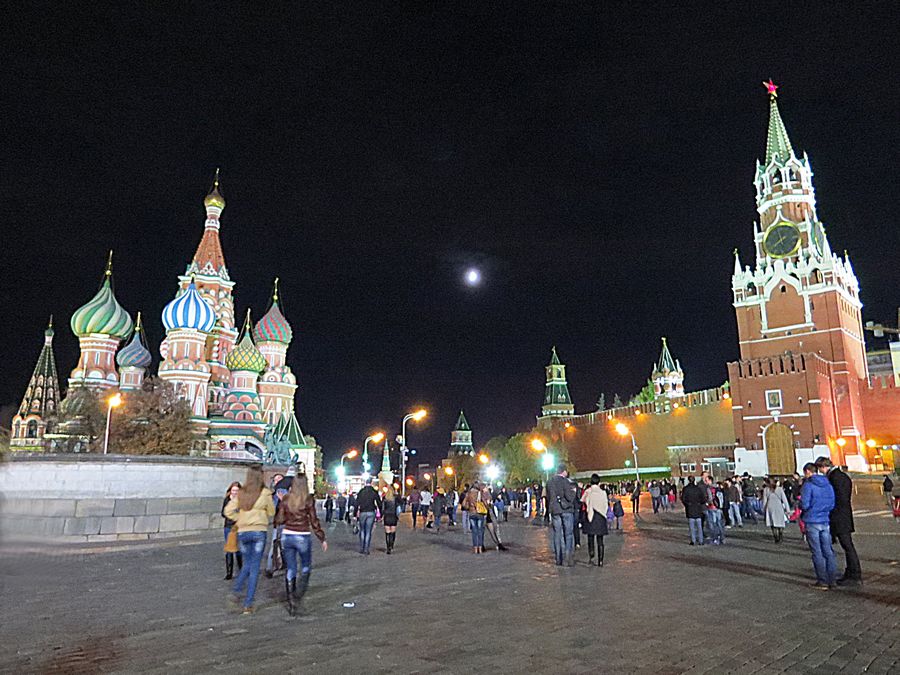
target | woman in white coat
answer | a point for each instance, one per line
(776, 506)
(596, 504)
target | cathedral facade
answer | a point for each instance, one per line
(239, 387)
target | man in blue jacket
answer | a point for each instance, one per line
(817, 502)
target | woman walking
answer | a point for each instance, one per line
(478, 502)
(389, 516)
(596, 504)
(231, 545)
(776, 507)
(297, 514)
(251, 511)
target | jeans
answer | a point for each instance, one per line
(716, 527)
(696, 527)
(451, 515)
(366, 523)
(293, 545)
(563, 536)
(274, 534)
(476, 522)
(252, 546)
(818, 536)
(749, 511)
(734, 510)
(656, 504)
(853, 571)
(465, 521)
(414, 509)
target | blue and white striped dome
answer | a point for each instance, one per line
(189, 310)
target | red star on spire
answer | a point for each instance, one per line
(771, 88)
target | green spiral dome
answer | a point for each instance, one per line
(103, 315)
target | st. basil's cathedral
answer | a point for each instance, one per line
(237, 383)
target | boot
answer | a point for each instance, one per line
(601, 548)
(393, 540)
(289, 595)
(387, 542)
(229, 566)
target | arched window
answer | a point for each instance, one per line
(32, 429)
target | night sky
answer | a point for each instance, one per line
(595, 162)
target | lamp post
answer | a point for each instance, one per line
(374, 437)
(448, 471)
(114, 402)
(418, 415)
(342, 473)
(623, 430)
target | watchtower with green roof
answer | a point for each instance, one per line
(461, 437)
(557, 400)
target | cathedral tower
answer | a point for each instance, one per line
(134, 359)
(277, 384)
(557, 401)
(188, 320)
(100, 326)
(797, 386)
(40, 402)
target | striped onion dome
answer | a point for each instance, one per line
(103, 314)
(135, 353)
(273, 327)
(189, 310)
(246, 356)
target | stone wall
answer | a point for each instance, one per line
(95, 498)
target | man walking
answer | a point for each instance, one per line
(329, 508)
(733, 494)
(817, 501)
(341, 505)
(438, 503)
(748, 495)
(841, 520)
(694, 501)
(561, 506)
(367, 502)
(425, 499)
(415, 498)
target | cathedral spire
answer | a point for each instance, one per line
(41, 398)
(557, 400)
(777, 142)
(209, 259)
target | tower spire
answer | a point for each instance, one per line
(777, 142)
(40, 401)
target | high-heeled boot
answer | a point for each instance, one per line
(393, 540)
(229, 566)
(600, 551)
(387, 543)
(289, 595)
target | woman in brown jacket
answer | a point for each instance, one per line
(297, 513)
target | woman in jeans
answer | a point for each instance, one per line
(232, 493)
(478, 502)
(297, 515)
(251, 511)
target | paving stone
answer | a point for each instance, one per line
(117, 525)
(85, 526)
(157, 507)
(146, 524)
(94, 507)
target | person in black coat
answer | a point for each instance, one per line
(841, 519)
(694, 500)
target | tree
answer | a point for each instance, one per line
(647, 394)
(601, 403)
(153, 420)
(617, 402)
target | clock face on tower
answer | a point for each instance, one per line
(782, 240)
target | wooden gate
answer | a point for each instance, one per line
(780, 450)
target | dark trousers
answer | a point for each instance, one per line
(854, 571)
(595, 540)
(414, 509)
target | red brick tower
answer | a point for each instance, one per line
(803, 365)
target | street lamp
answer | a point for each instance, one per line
(483, 458)
(448, 471)
(427, 476)
(418, 415)
(546, 459)
(492, 472)
(114, 401)
(375, 437)
(623, 430)
(341, 471)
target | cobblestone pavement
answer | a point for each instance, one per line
(658, 606)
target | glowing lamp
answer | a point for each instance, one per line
(483, 458)
(419, 414)
(538, 444)
(622, 430)
(353, 453)
(492, 472)
(340, 472)
(409, 481)
(115, 400)
(426, 476)
(448, 470)
(378, 437)
(547, 461)
(841, 442)
(871, 443)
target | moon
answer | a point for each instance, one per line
(473, 276)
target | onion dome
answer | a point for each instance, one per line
(135, 353)
(215, 198)
(103, 314)
(246, 356)
(189, 310)
(273, 327)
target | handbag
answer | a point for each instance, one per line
(480, 508)
(231, 543)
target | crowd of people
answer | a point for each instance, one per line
(819, 502)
